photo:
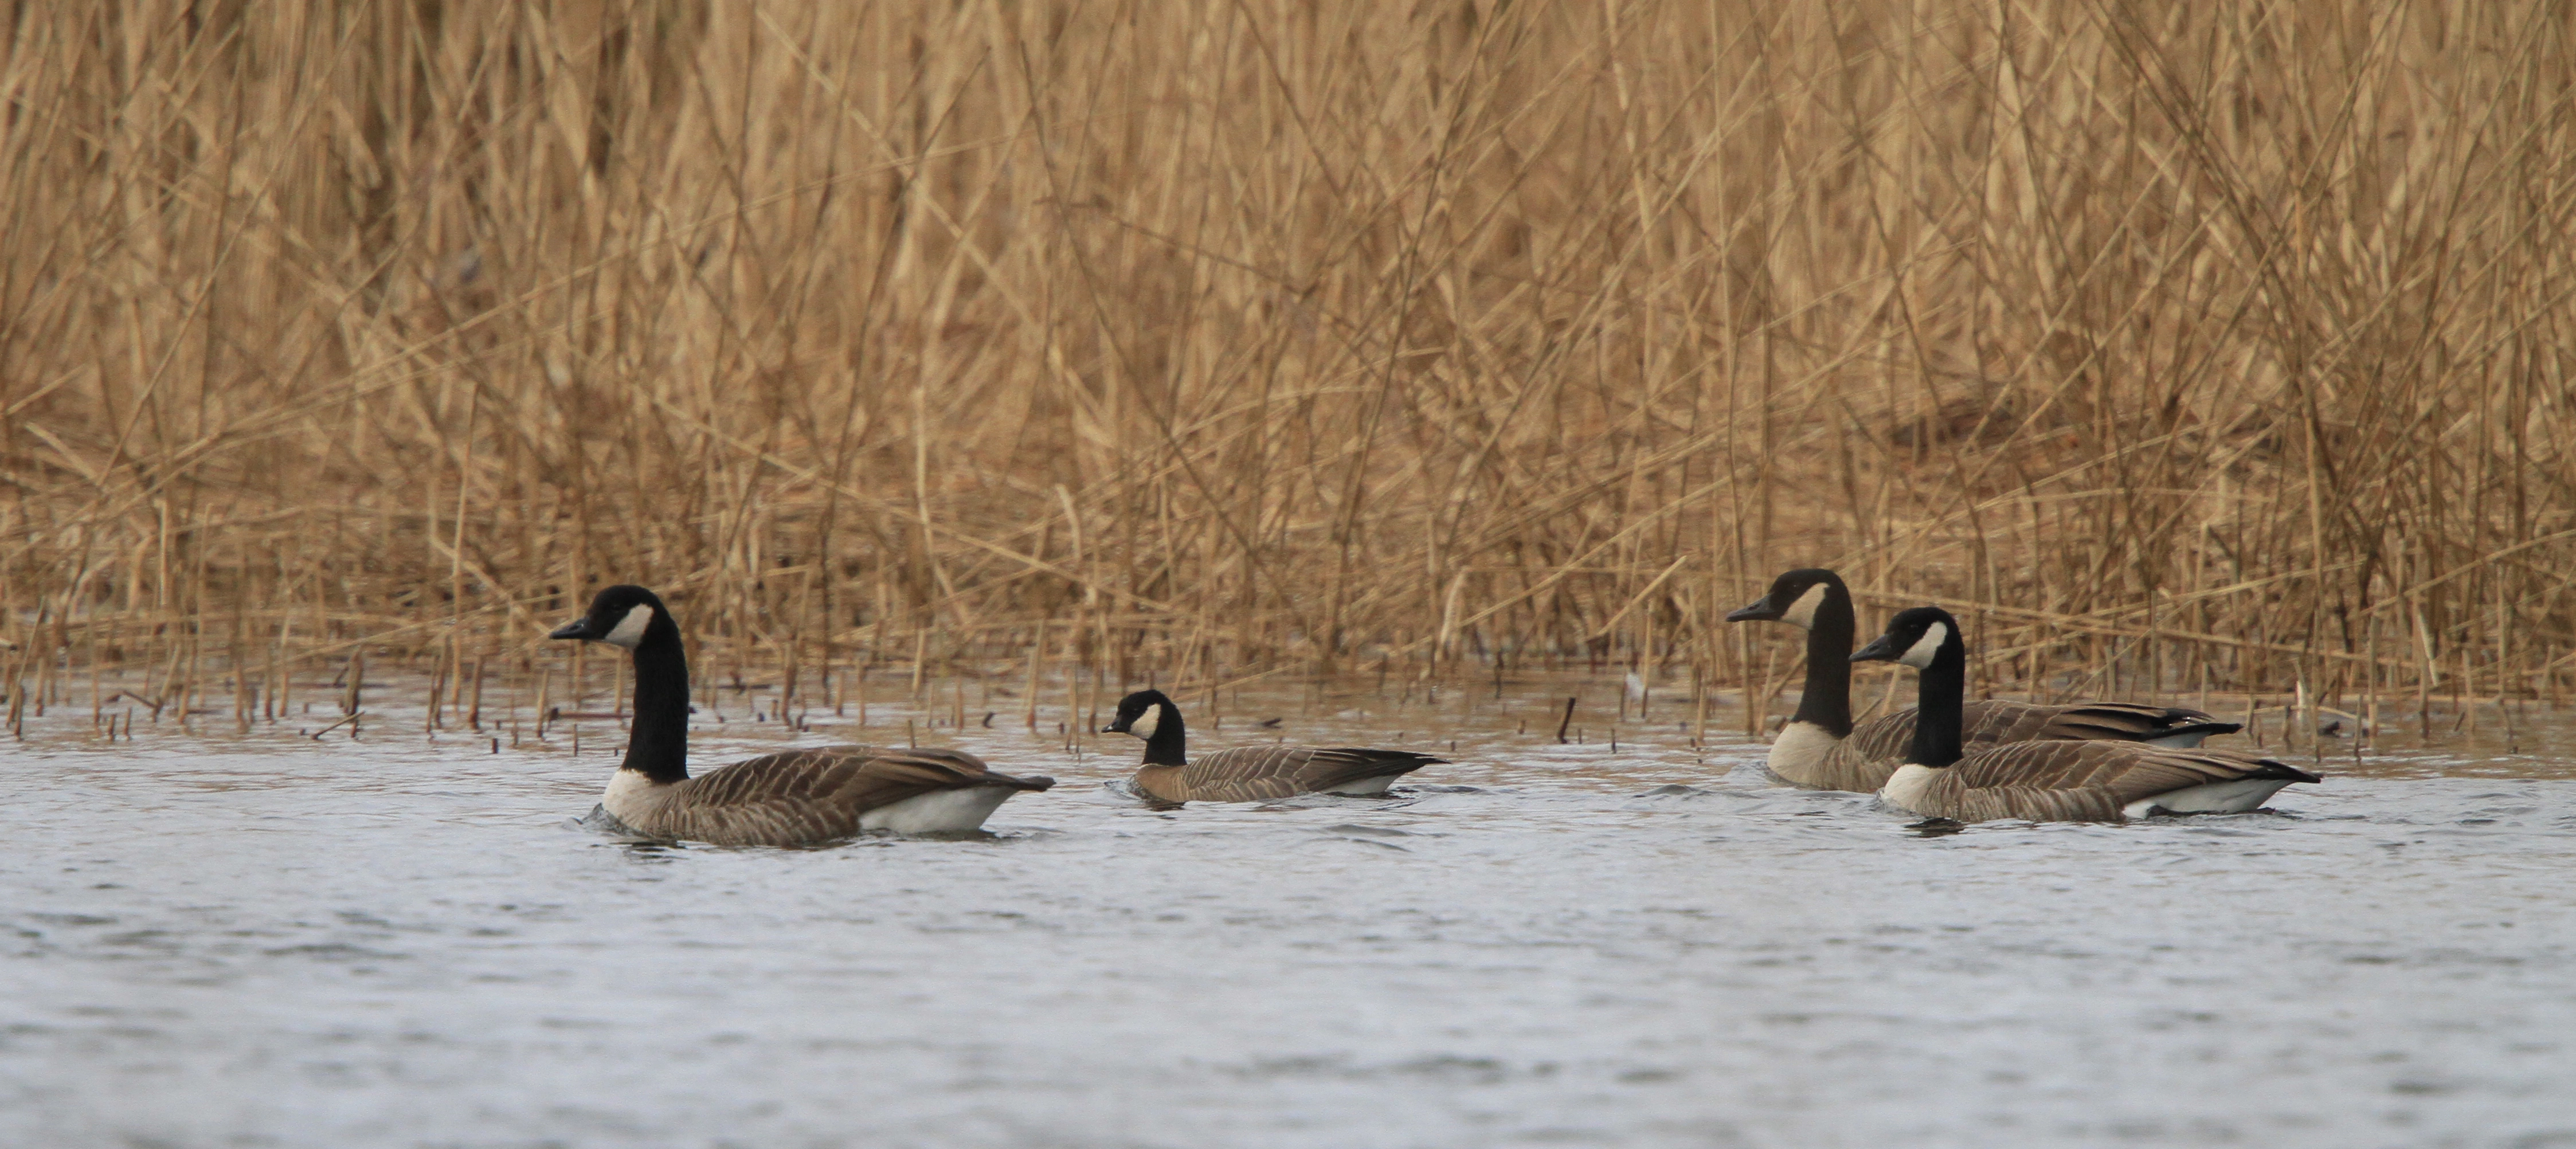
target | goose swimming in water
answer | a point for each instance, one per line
(1820, 748)
(2066, 780)
(792, 798)
(1247, 773)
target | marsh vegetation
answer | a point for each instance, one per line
(2175, 346)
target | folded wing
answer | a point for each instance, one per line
(1862, 762)
(818, 794)
(2095, 781)
(1258, 773)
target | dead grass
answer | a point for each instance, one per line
(2177, 342)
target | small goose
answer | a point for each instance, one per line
(792, 798)
(1820, 749)
(2052, 781)
(1248, 773)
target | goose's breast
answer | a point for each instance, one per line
(1908, 787)
(632, 798)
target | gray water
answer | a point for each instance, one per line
(221, 940)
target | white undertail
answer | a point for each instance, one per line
(938, 812)
(2235, 797)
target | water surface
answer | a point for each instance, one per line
(222, 940)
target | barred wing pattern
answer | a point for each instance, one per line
(2002, 722)
(2069, 781)
(814, 795)
(1258, 773)
(1862, 762)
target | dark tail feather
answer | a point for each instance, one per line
(2273, 768)
(2204, 729)
(1032, 782)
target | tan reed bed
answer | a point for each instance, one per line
(2181, 346)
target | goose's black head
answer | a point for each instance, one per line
(1142, 714)
(1914, 637)
(1793, 598)
(624, 615)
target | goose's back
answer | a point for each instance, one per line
(1863, 761)
(1259, 773)
(811, 795)
(2001, 722)
(2081, 781)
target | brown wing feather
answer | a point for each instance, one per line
(815, 795)
(1260, 773)
(1877, 747)
(2081, 781)
(2115, 721)
(1862, 762)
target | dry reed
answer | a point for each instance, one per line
(2173, 343)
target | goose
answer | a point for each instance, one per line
(792, 798)
(1247, 773)
(1820, 748)
(2062, 780)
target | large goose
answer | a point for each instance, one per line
(1820, 749)
(794, 798)
(2052, 781)
(1247, 773)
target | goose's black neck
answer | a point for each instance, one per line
(1826, 701)
(1169, 745)
(658, 742)
(1941, 706)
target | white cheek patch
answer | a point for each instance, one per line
(1802, 613)
(630, 630)
(1920, 654)
(1146, 723)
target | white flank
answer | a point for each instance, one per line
(1798, 754)
(1148, 722)
(631, 797)
(2234, 797)
(630, 629)
(1366, 786)
(1802, 613)
(2180, 741)
(1920, 654)
(1904, 789)
(938, 812)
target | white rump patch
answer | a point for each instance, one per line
(1904, 789)
(1802, 613)
(938, 812)
(1147, 723)
(1920, 654)
(1366, 787)
(630, 629)
(631, 797)
(1798, 754)
(2234, 797)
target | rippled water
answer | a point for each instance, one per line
(269, 940)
